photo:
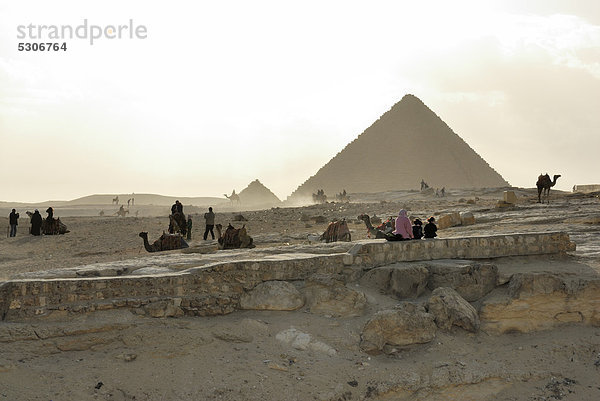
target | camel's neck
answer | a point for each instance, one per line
(367, 221)
(147, 244)
(218, 231)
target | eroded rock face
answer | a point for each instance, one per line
(471, 280)
(401, 281)
(272, 295)
(450, 309)
(329, 296)
(540, 301)
(406, 324)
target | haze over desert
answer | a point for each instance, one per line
(290, 201)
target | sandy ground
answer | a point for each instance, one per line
(119, 356)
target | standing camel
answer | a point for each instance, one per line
(233, 198)
(543, 185)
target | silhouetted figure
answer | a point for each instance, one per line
(443, 191)
(417, 229)
(210, 223)
(430, 228)
(50, 217)
(14, 222)
(36, 223)
(189, 228)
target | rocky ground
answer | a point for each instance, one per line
(254, 355)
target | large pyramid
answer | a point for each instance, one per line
(257, 195)
(406, 144)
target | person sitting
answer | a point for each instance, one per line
(430, 228)
(403, 228)
(417, 229)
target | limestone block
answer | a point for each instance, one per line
(448, 220)
(328, 295)
(450, 309)
(272, 295)
(510, 197)
(406, 324)
(467, 219)
(471, 280)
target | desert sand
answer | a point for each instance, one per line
(116, 355)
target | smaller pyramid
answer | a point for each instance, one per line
(257, 195)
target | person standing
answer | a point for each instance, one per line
(36, 222)
(14, 222)
(189, 228)
(210, 223)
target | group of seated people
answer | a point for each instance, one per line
(402, 229)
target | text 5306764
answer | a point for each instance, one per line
(42, 47)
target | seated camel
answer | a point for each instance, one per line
(234, 238)
(166, 242)
(337, 231)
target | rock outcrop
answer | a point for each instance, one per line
(272, 295)
(539, 301)
(406, 324)
(450, 309)
(327, 295)
(401, 281)
(471, 280)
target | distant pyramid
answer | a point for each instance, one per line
(406, 144)
(256, 194)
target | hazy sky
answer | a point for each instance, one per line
(223, 92)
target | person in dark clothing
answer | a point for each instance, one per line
(179, 206)
(14, 222)
(210, 223)
(417, 229)
(36, 222)
(174, 208)
(189, 228)
(50, 217)
(430, 228)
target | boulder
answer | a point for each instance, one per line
(406, 324)
(448, 220)
(403, 281)
(327, 295)
(467, 219)
(470, 279)
(272, 295)
(510, 197)
(450, 309)
(303, 341)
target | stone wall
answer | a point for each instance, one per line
(216, 288)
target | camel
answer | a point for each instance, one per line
(116, 200)
(336, 231)
(342, 197)
(122, 211)
(177, 223)
(371, 231)
(319, 197)
(544, 184)
(234, 238)
(233, 198)
(53, 227)
(166, 242)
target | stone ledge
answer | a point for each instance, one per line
(215, 288)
